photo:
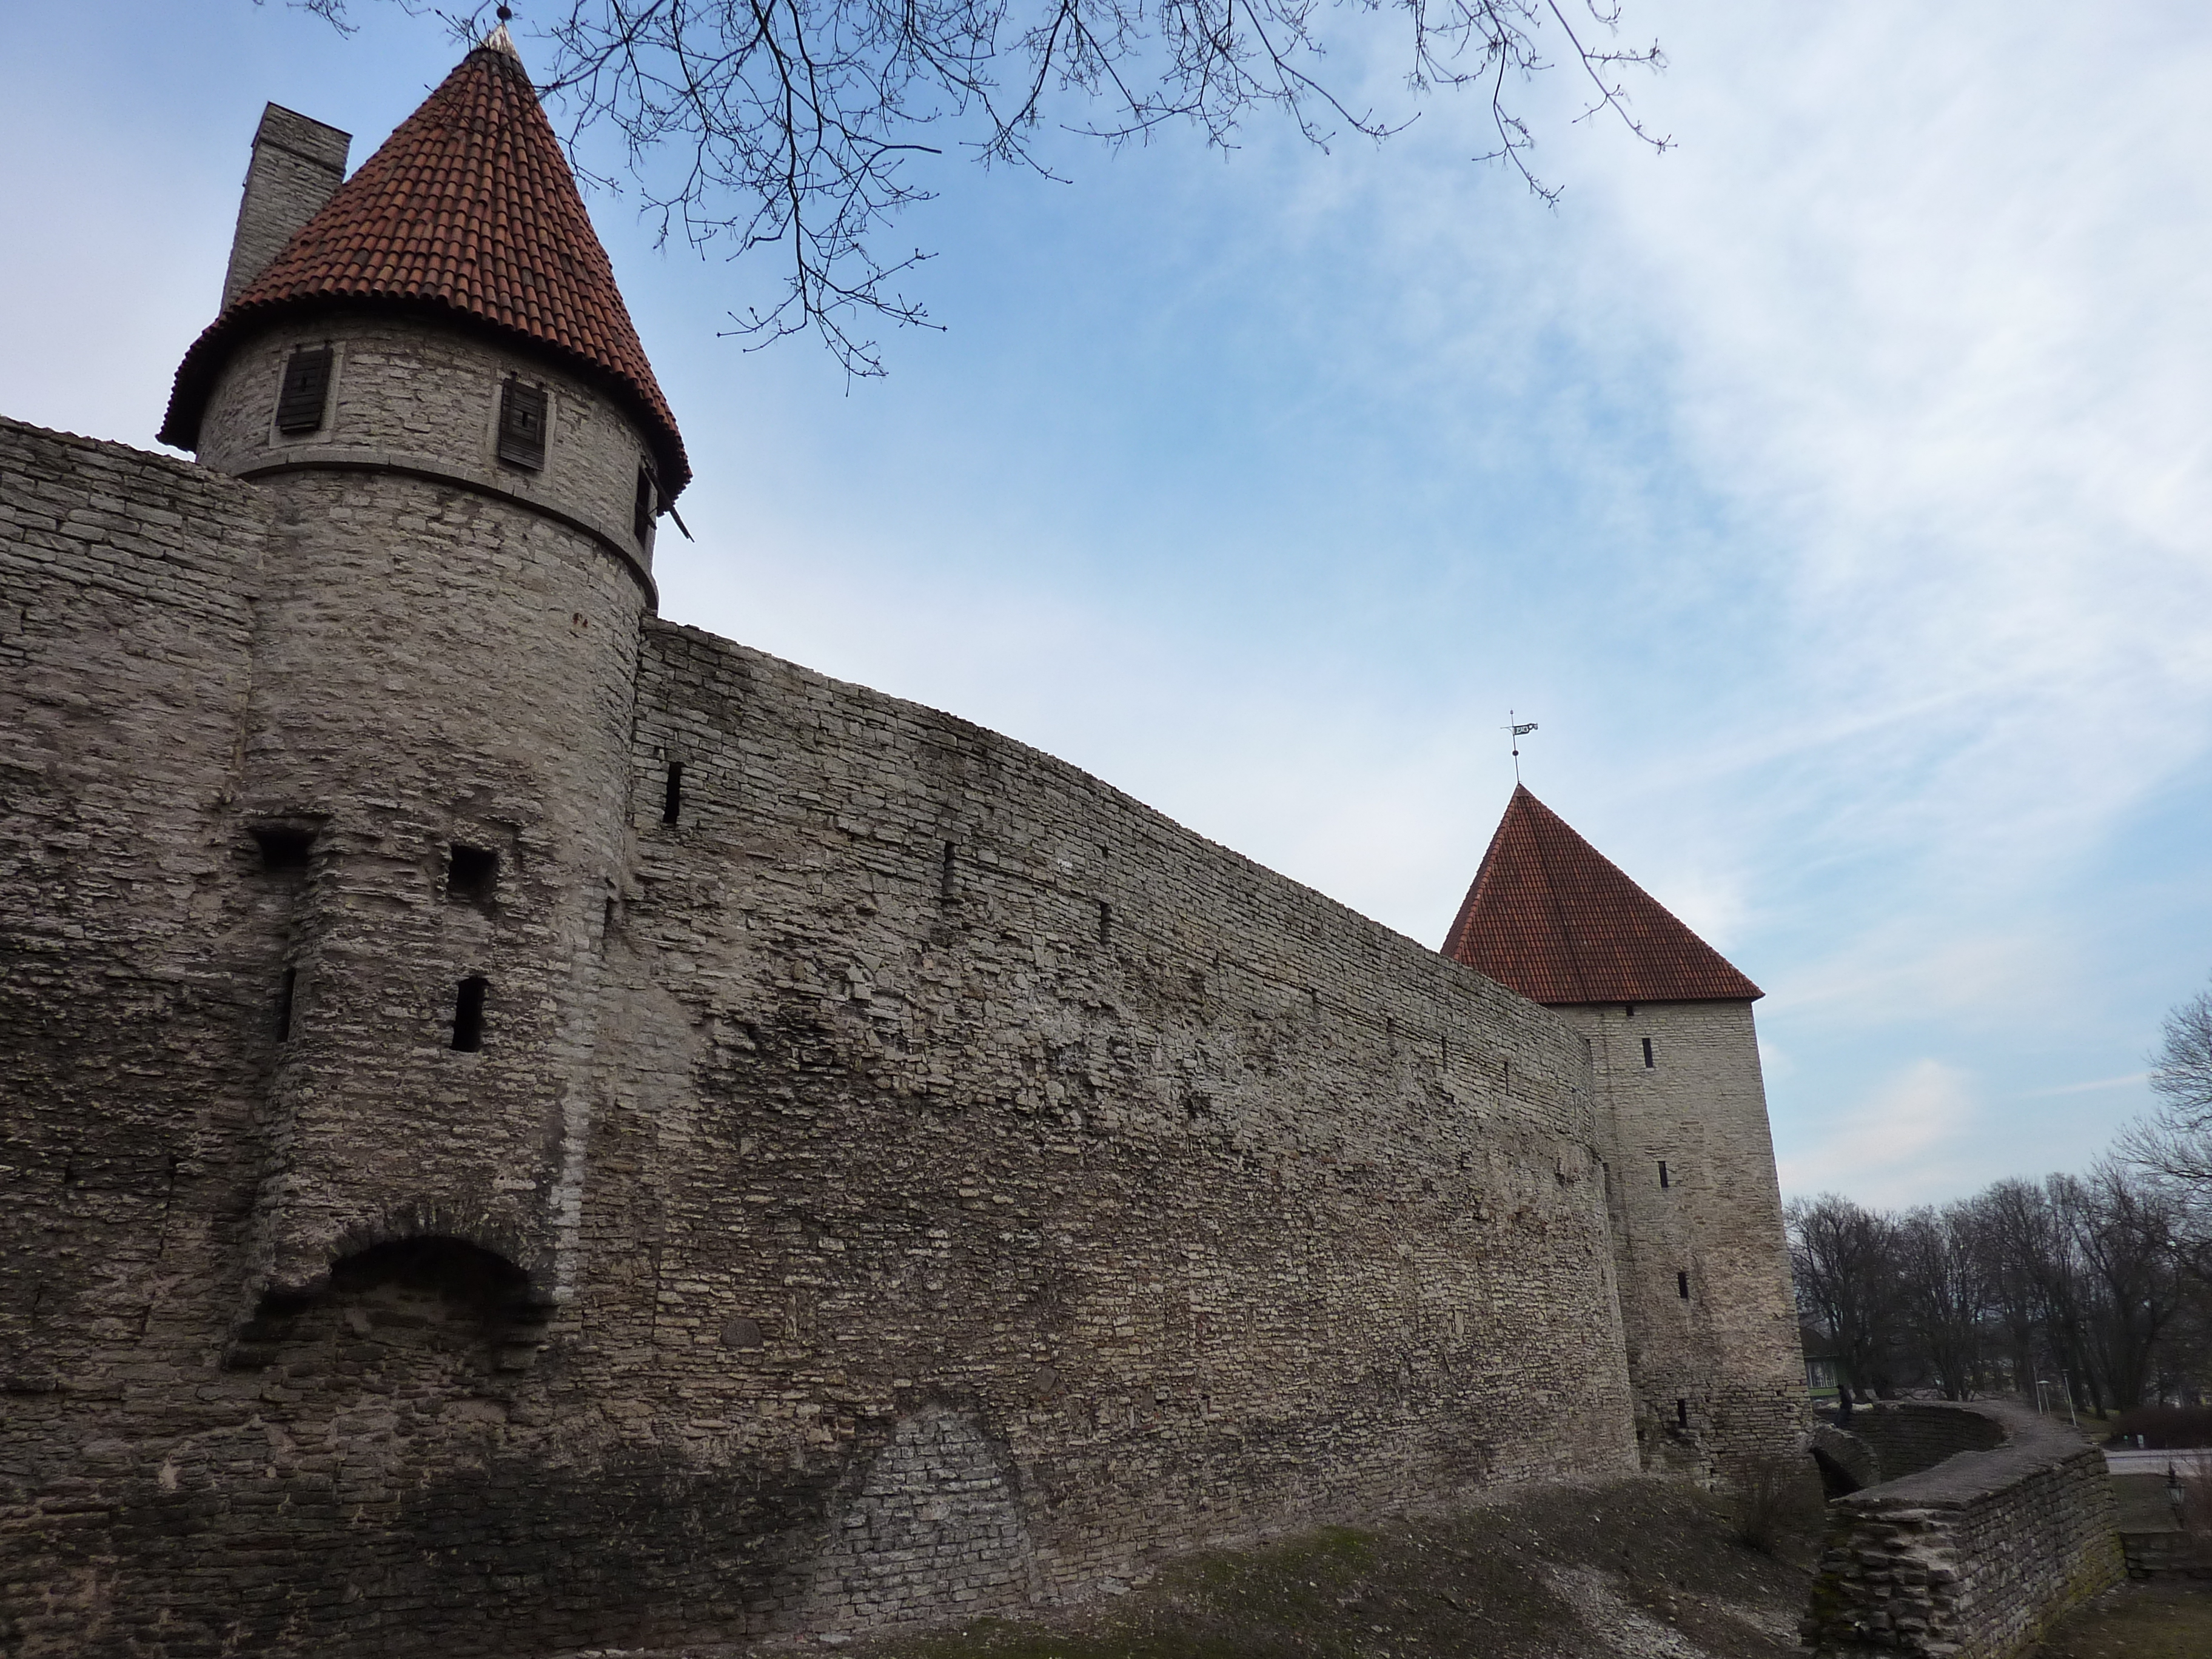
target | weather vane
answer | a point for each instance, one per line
(1520, 729)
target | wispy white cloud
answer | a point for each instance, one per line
(2096, 1088)
(1906, 1143)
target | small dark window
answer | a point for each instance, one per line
(472, 874)
(1628, 1009)
(468, 1014)
(522, 424)
(945, 876)
(284, 846)
(1647, 1051)
(1681, 1413)
(306, 388)
(1662, 1174)
(672, 799)
(1105, 922)
(284, 991)
(640, 520)
(1682, 1285)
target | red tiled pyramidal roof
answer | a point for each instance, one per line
(469, 211)
(1551, 917)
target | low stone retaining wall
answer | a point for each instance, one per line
(1974, 1554)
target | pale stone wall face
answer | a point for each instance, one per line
(2007, 1522)
(447, 658)
(1117, 1197)
(407, 395)
(1725, 1356)
(1223, 1208)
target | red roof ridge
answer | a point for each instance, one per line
(1551, 917)
(469, 211)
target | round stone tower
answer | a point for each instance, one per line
(436, 378)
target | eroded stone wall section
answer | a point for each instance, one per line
(934, 1533)
(140, 939)
(1974, 1556)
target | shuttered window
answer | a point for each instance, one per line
(522, 424)
(306, 390)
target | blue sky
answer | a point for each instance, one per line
(1833, 490)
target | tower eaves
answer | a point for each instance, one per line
(468, 214)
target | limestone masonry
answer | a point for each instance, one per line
(528, 1127)
(1988, 1524)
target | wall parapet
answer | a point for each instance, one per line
(1974, 1551)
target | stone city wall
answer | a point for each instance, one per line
(1974, 1555)
(987, 1188)
(1212, 1207)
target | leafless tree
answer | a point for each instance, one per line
(1940, 1294)
(1843, 1259)
(2176, 1140)
(792, 124)
(2032, 1239)
(2127, 1230)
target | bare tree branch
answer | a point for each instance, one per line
(751, 124)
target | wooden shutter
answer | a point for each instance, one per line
(522, 424)
(306, 388)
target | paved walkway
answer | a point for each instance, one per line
(2143, 1504)
(2126, 1460)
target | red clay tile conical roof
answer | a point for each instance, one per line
(1551, 917)
(468, 212)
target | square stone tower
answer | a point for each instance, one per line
(1702, 1264)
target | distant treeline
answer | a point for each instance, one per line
(2096, 1287)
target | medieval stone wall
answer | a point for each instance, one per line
(1713, 1350)
(954, 1079)
(1973, 1556)
(931, 1182)
(136, 978)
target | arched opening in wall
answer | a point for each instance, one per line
(433, 1312)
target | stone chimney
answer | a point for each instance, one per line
(298, 164)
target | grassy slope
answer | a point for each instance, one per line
(1618, 1568)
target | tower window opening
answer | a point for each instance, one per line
(1681, 1413)
(284, 992)
(672, 799)
(1663, 1182)
(1682, 1285)
(1628, 1010)
(522, 425)
(469, 1014)
(472, 874)
(945, 894)
(641, 520)
(1647, 1060)
(284, 846)
(1105, 922)
(305, 392)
